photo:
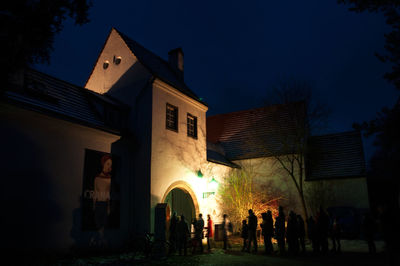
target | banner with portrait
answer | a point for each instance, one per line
(101, 192)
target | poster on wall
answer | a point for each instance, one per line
(101, 192)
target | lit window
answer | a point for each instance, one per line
(172, 117)
(192, 126)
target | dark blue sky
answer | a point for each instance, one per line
(236, 50)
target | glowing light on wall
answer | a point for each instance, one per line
(214, 184)
(198, 183)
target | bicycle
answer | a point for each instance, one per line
(151, 247)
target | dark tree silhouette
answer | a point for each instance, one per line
(28, 29)
(391, 11)
(383, 174)
(310, 119)
(383, 165)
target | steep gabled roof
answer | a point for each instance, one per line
(158, 67)
(60, 99)
(337, 155)
(255, 133)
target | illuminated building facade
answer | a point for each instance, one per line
(94, 162)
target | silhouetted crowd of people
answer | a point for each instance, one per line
(179, 234)
(289, 231)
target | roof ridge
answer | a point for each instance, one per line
(73, 105)
(98, 57)
(339, 133)
(123, 35)
(78, 87)
(256, 109)
(56, 78)
(169, 76)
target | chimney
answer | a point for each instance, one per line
(175, 58)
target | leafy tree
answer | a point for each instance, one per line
(28, 28)
(240, 192)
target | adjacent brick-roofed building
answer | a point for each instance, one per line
(252, 139)
(336, 156)
(255, 133)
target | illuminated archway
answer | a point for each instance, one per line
(186, 188)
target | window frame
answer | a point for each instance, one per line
(195, 130)
(176, 117)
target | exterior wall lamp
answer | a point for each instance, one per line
(199, 174)
(214, 183)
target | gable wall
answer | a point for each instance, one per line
(123, 81)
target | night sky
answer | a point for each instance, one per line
(236, 50)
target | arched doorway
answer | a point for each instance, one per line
(181, 200)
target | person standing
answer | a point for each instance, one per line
(389, 217)
(267, 227)
(198, 233)
(225, 231)
(183, 234)
(280, 230)
(192, 235)
(210, 232)
(312, 233)
(322, 230)
(335, 235)
(369, 230)
(244, 234)
(173, 233)
(252, 231)
(301, 233)
(291, 234)
(270, 231)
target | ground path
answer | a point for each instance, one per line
(354, 254)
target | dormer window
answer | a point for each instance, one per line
(191, 126)
(106, 64)
(117, 60)
(171, 117)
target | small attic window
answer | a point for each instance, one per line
(117, 60)
(106, 64)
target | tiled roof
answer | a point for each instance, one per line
(254, 133)
(335, 156)
(158, 67)
(54, 97)
(215, 154)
